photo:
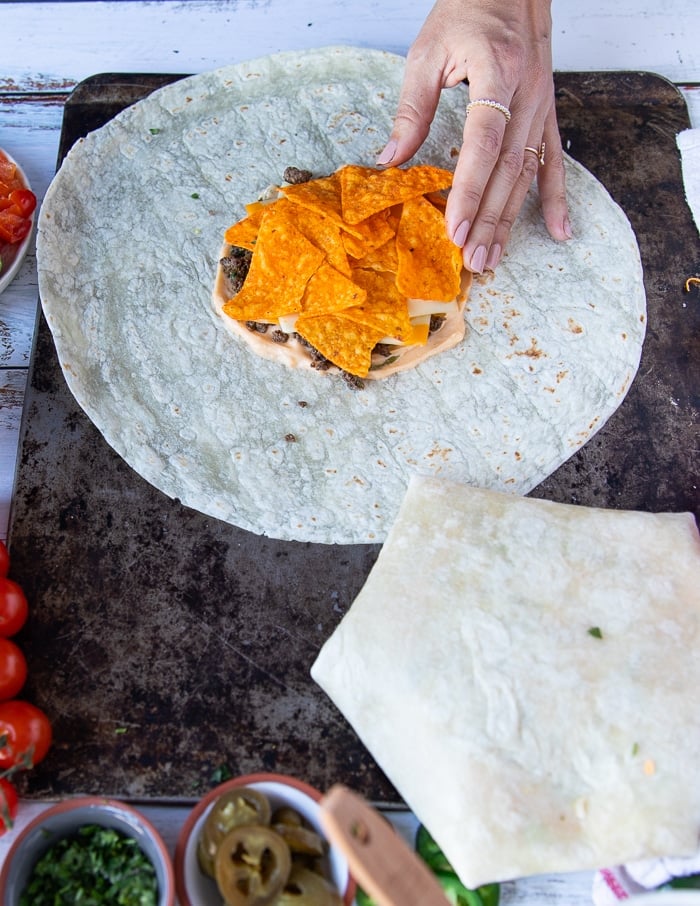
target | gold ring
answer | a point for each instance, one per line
(487, 102)
(538, 152)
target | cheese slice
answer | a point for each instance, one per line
(526, 674)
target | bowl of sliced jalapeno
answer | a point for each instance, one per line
(257, 841)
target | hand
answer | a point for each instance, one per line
(503, 49)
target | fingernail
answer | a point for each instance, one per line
(388, 153)
(494, 257)
(568, 232)
(460, 234)
(478, 260)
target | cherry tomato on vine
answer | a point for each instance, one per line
(13, 669)
(9, 803)
(25, 734)
(4, 559)
(13, 607)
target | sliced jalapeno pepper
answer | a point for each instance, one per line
(240, 806)
(285, 814)
(306, 888)
(301, 840)
(252, 865)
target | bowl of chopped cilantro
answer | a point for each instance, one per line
(88, 850)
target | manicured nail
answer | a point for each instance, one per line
(568, 232)
(460, 234)
(478, 260)
(494, 257)
(388, 153)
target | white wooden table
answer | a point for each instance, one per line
(47, 48)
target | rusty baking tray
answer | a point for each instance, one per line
(167, 646)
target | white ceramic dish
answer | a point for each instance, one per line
(10, 270)
(62, 820)
(194, 888)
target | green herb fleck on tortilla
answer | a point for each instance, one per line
(596, 632)
(154, 131)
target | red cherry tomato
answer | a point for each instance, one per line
(24, 201)
(4, 559)
(25, 734)
(13, 607)
(13, 669)
(9, 803)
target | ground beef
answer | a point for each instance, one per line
(279, 336)
(256, 326)
(295, 176)
(235, 266)
(436, 322)
(352, 380)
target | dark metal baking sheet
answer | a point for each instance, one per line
(166, 645)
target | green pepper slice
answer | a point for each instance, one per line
(455, 891)
(430, 852)
(252, 866)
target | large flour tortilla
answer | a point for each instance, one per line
(127, 249)
(526, 673)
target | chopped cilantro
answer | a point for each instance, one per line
(154, 131)
(194, 195)
(596, 632)
(95, 865)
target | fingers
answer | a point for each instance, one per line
(418, 101)
(485, 203)
(552, 182)
(487, 169)
(504, 50)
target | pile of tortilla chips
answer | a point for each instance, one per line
(345, 253)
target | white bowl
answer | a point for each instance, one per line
(194, 888)
(63, 820)
(9, 271)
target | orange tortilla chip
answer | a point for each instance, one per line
(384, 258)
(330, 291)
(385, 308)
(364, 191)
(281, 267)
(244, 233)
(341, 340)
(321, 196)
(430, 265)
(375, 231)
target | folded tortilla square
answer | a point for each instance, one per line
(525, 673)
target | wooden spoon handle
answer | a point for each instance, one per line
(381, 863)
